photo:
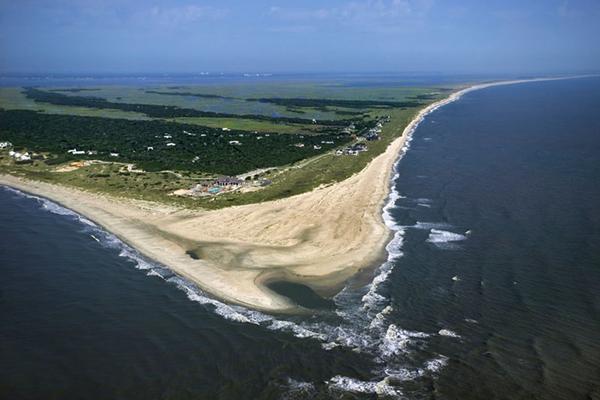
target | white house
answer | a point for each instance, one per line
(149, 148)
(171, 144)
(76, 152)
(225, 129)
(114, 154)
(235, 143)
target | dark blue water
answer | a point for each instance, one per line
(497, 294)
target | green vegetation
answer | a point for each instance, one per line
(156, 111)
(201, 95)
(260, 117)
(254, 125)
(318, 103)
(158, 145)
(322, 170)
(74, 90)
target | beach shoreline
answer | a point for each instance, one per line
(320, 238)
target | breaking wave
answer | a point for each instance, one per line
(445, 239)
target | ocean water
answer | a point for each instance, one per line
(491, 289)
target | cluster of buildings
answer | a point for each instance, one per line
(367, 135)
(373, 133)
(16, 155)
(20, 157)
(76, 152)
(352, 150)
(225, 184)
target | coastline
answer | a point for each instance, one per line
(319, 238)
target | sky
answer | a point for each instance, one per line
(188, 36)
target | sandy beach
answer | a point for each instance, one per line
(320, 238)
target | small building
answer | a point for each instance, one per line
(226, 181)
(235, 143)
(114, 154)
(76, 152)
(225, 129)
(317, 147)
(171, 144)
(167, 136)
(149, 148)
(300, 145)
(5, 145)
(20, 157)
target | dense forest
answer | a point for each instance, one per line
(186, 94)
(161, 111)
(195, 148)
(318, 103)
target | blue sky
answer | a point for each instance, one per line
(275, 36)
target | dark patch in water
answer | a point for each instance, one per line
(193, 254)
(301, 295)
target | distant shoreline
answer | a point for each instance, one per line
(319, 238)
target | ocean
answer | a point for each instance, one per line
(491, 289)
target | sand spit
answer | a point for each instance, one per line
(320, 238)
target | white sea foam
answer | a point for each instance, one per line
(397, 340)
(449, 333)
(299, 388)
(445, 239)
(430, 225)
(436, 364)
(440, 236)
(346, 384)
